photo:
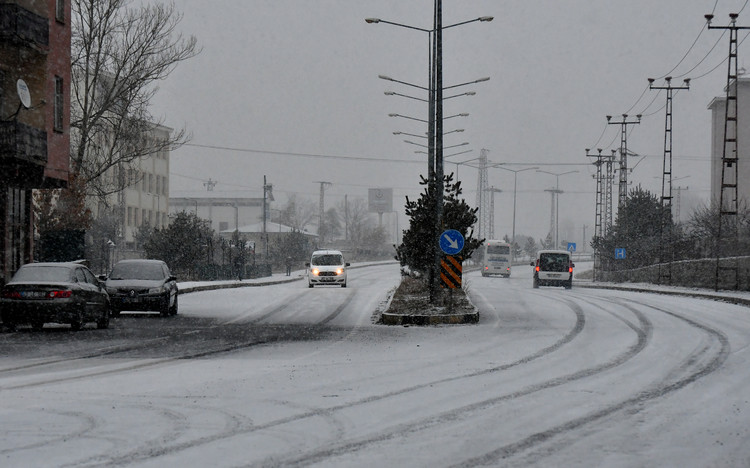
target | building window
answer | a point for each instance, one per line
(130, 216)
(60, 10)
(58, 104)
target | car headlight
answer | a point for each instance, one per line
(339, 271)
(315, 272)
(158, 290)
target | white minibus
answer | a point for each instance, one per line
(497, 258)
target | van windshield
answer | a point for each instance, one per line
(554, 262)
(327, 259)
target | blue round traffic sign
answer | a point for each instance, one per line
(451, 241)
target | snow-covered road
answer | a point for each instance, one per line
(548, 377)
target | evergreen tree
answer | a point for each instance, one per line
(182, 244)
(419, 241)
(637, 229)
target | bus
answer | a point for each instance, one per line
(496, 259)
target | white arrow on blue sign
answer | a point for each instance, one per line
(451, 241)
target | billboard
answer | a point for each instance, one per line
(380, 200)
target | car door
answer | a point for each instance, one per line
(99, 297)
(85, 291)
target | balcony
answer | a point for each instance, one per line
(20, 26)
(22, 143)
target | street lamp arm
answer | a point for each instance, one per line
(392, 93)
(378, 20)
(407, 117)
(485, 19)
(480, 80)
(388, 78)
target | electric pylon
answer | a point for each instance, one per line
(491, 231)
(321, 212)
(666, 234)
(483, 215)
(623, 194)
(728, 208)
(598, 233)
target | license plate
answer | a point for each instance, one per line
(130, 300)
(33, 294)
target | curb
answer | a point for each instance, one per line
(417, 319)
(701, 295)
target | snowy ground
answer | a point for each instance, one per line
(548, 377)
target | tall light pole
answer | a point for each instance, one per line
(435, 120)
(556, 201)
(515, 178)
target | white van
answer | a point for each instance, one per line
(326, 267)
(553, 268)
(497, 258)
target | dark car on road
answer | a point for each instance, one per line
(142, 285)
(66, 292)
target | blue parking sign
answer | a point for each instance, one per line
(619, 253)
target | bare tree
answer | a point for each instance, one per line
(120, 50)
(298, 212)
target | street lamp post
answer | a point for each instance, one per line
(515, 178)
(555, 195)
(435, 120)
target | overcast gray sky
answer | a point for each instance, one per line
(292, 87)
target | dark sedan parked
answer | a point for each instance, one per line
(142, 285)
(42, 293)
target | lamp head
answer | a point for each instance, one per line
(372, 20)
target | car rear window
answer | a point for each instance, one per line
(42, 273)
(554, 262)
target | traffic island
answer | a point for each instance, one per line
(410, 305)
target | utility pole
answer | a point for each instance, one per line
(623, 195)
(608, 198)
(321, 211)
(679, 190)
(267, 195)
(210, 184)
(666, 236)
(726, 243)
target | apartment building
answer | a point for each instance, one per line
(35, 75)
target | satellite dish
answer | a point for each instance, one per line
(23, 93)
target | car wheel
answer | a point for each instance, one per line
(37, 325)
(536, 283)
(103, 321)
(173, 309)
(309, 285)
(343, 285)
(164, 308)
(76, 323)
(10, 326)
(569, 284)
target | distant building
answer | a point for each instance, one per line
(143, 203)
(35, 62)
(718, 117)
(223, 210)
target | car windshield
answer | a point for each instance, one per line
(138, 271)
(42, 273)
(327, 259)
